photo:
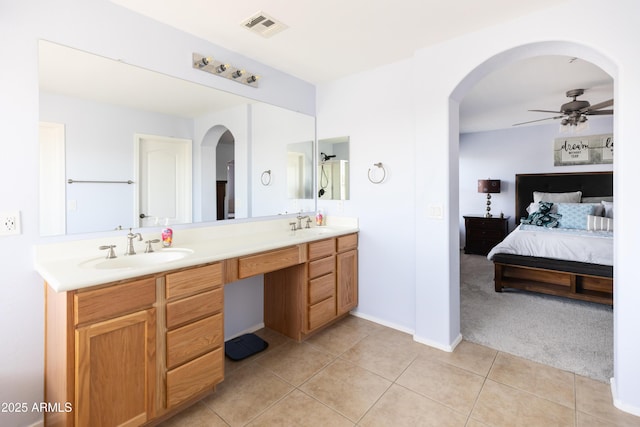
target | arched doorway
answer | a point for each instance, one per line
(484, 69)
(218, 174)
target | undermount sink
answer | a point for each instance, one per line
(138, 260)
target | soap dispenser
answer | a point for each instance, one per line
(319, 218)
(167, 234)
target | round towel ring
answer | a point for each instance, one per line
(265, 178)
(384, 173)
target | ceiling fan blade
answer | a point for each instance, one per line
(600, 105)
(598, 112)
(539, 120)
(547, 111)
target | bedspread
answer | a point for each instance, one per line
(595, 247)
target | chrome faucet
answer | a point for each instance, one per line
(130, 249)
(300, 218)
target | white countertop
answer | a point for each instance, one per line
(61, 264)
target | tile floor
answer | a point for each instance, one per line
(360, 373)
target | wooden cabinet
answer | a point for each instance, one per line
(303, 299)
(126, 353)
(101, 354)
(194, 332)
(115, 371)
(347, 274)
(482, 234)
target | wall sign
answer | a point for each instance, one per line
(583, 150)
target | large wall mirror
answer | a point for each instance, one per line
(122, 146)
(333, 168)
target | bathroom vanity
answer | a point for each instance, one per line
(131, 342)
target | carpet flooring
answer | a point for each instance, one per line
(571, 335)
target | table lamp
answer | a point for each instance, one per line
(488, 186)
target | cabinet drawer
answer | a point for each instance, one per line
(350, 241)
(475, 233)
(321, 313)
(194, 377)
(269, 261)
(194, 307)
(109, 302)
(189, 282)
(321, 288)
(194, 339)
(321, 267)
(486, 223)
(322, 248)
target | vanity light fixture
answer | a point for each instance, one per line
(204, 61)
(223, 69)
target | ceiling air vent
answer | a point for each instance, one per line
(263, 24)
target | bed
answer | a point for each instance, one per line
(587, 277)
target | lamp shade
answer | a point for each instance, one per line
(488, 186)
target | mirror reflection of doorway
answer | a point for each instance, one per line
(225, 173)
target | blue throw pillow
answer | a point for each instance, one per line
(574, 215)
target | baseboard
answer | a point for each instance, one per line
(434, 344)
(249, 330)
(383, 322)
(448, 348)
(622, 406)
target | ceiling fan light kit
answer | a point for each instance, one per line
(574, 113)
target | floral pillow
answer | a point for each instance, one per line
(543, 217)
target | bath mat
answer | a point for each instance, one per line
(244, 346)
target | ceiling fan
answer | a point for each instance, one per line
(574, 113)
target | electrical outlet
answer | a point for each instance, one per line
(9, 223)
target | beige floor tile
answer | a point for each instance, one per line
(594, 398)
(347, 388)
(470, 356)
(295, 362)
(385, 353)
(245, 393)
(586, 420)
(503, 406)
(444, 383)
(400, 407)
(339, 338)
(543, 381)
(366, 326)
(299, 410)
(198, 415)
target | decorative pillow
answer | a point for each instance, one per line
(570, 197)
(543, 217)
(535, 207)
(597, 223)
(574, 215)
(608, 208)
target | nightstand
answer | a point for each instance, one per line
(482, 234)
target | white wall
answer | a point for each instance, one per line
(501, 154)
(101, 27)
(374, 109)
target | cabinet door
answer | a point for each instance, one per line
(347, 281)
(115, 371)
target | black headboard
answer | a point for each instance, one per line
(592, 184)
